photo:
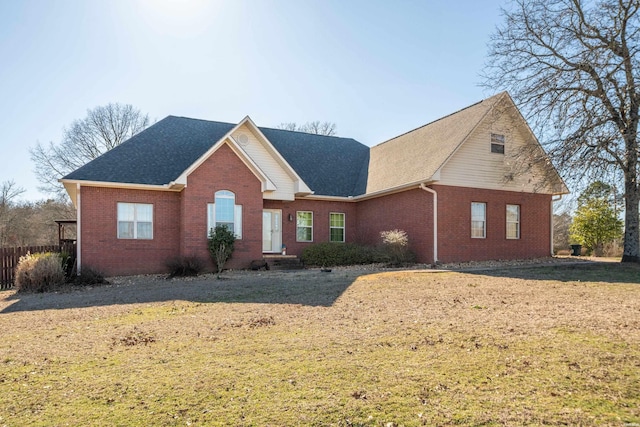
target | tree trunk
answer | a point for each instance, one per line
(631, 218)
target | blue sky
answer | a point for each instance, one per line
(376, 69)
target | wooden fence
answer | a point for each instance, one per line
(9, 258)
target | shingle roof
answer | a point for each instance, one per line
(330, 166)
(418, 154)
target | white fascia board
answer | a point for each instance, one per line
(301, 186)
(172, 186)
(386, 192)
(267, 184)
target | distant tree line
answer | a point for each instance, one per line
(30, 223)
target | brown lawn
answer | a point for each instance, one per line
(554, 345)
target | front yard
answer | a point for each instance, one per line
(555, 345)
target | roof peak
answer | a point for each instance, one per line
(498, 95)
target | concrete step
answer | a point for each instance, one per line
(283, 262)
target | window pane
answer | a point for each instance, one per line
(144, 230)
(126, 212)
(229, 225)
(337, 235)
(497, 148)
(304, 234)
(304, 219)
(125, 229)
(336, 220)
(144, 213)
(512, 230)
(224, 210)
(512, 213)
(477, 211)
(477, 229)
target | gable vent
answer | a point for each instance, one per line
(243, 139)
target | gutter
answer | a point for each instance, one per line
(435, 221)
(78, 231)
(551, 219)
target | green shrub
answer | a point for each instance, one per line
(183, 266)
(333, 254)
(88, 277)
(41, 272)
(395, 247)
(221, 241)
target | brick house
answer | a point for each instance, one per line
(474, 185)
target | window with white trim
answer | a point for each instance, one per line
(497, 143)
(336, 227)
(478, 220)
(304, 226)
(513, 221)
(135, 221)
(225, 212)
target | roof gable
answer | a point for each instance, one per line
(155, 156)
(163, 155)
(416, 156)
(421, 155)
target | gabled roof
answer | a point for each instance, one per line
(330, 166)
(418, 154)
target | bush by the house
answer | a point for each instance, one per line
(41, 272)
(221, 241)
(395, 246)
(88, 276)
(334, 254)
(183, 266)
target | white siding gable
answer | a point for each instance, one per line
(474, 165)
(262, 156)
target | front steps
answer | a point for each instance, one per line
(283, 262)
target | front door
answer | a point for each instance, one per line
(271, 231)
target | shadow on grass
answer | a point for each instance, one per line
(307, 287)
(311, 288)
(589, 271)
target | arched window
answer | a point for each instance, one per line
(225, 212)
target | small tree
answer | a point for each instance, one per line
(221, 241)
(596, 222)
(396, 243)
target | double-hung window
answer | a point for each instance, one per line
(478, 220)
(135, 221)
(513, 221)
(304, 226)
(497, 143)
(336, 227)
(225, 212)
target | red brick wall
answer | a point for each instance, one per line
(100, 246)
(411, 211)
(222, 171)
(321, 211)
(180, 221)
(454, 225)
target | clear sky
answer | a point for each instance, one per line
(375, 68)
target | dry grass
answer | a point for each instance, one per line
(534, 346)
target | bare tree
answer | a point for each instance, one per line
(104, 128)
(8, 216)
(315, 127)
(573, 67)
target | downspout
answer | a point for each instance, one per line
(78, 230)
(435, 221)
(551, 228)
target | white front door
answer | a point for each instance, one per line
(271, 231)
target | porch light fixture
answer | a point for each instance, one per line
(290, 217)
